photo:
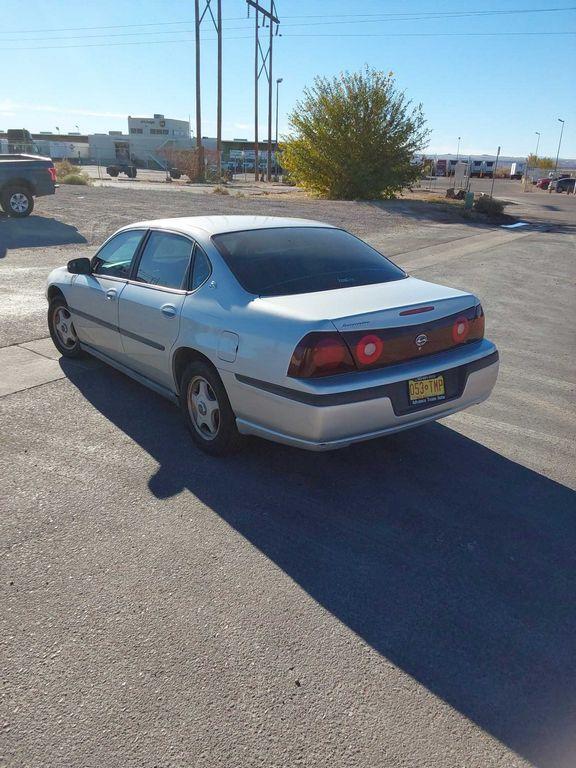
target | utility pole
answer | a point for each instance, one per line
(198, 102)
(257, 46)
(559, 145)
(217, 22)
(263, 63)
(494, 173)
(219, 88)
(269, 158)
(278, 81)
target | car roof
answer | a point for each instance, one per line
(215, 225)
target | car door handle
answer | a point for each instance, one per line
(111, 295)
(168, 310)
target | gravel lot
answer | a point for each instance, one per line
(405, 602)
(77, 219)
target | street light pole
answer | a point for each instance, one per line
(527, 177)
(559, 144)
(457, 155)
(278, 81)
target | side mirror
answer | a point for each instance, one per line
(80, 266)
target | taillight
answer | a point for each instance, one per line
(52, 172)
(320, 354)
(460, 330)
(469, 328)
(369, 349)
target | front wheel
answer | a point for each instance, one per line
(207, 410)
(17, 202)
(62, 328)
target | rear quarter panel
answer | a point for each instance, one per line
(266, 339)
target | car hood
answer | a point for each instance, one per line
(371, 306)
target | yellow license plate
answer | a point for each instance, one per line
(426, 389)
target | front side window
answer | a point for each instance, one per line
(290, 260)
(165, 260)
(115, 258)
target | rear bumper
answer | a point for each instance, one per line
(43, 186)
(329, 416)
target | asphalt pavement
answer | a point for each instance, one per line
(404, 602)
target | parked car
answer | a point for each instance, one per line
(565, 184)
(22, 178)
(543, 183)
(288, 329)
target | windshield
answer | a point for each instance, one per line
(290, 260)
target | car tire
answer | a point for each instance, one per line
(207, 411)
(62, 329)
(17, 202)
(112, 172)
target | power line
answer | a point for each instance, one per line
(106, 45)
(436, 14)
(105, 34)
(292, 34)
(425, 34)
(400, 16)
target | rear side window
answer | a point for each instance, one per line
(165, 260)
(291, 260)
(115, 258)
(202, 269)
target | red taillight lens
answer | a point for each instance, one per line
(52, 172)
(460, 330)
(320, 354)
(369, 349)
(328, 353)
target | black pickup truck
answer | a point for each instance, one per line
(22, 178)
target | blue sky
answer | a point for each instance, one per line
(489, 90)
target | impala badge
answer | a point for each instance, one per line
(420, 340)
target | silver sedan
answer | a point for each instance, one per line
(288, 329)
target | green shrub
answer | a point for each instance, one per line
(489, 205)
(80, 179)
(353, 137)
(64, 168)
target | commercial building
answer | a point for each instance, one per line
(47, 144)
(145, 137)
(147, 143)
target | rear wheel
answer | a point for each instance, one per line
(62, 328)
(207, 410)
(18, 202)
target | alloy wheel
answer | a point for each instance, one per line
(64, 328)
(18, 202)
(204, 408)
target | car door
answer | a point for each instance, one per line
(151, 303)
(93, 298)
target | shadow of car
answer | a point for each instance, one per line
(452, 561)
(35, 232)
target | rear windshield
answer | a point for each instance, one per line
(289, 260)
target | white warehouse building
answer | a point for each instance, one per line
(146, 135)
